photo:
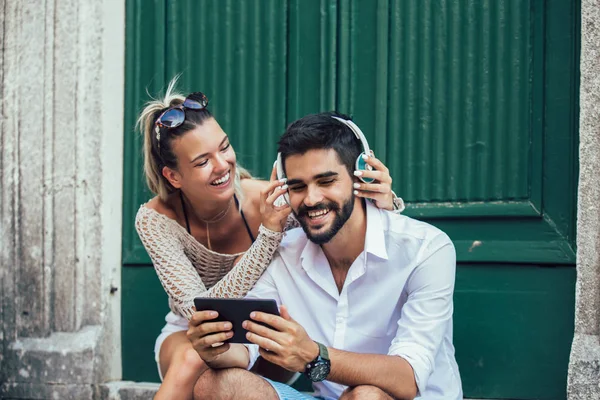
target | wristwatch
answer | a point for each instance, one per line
(318, 369)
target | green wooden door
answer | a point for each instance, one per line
(471, 104)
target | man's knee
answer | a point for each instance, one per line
(208, 385)
(232, 383)
(364, 392)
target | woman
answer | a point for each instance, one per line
(211, 230)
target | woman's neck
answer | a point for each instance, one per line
(207, 211)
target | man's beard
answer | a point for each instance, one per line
(341, 216)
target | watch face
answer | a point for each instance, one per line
(319, 371)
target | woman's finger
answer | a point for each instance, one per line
(269, 188)
(373, 187)
(279, 191)
(274, 173)
(379, 176)
(376, 163)
(380, 198)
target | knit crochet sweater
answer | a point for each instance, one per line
(187, 269)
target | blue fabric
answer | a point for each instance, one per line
(286, 392)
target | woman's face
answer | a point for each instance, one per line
(206, 162)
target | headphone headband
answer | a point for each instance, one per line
(357, 132)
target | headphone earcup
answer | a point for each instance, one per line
(284, 198)
(361, 165)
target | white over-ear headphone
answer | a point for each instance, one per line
(360, 163)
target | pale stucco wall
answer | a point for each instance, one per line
(62, 84)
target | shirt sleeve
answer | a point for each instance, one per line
(428, 310)
(265, 288)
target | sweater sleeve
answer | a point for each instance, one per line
(181, 280)
(245, 273)
(291, 223)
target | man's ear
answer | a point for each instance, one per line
(172, 176)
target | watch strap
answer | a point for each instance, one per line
(323, 352)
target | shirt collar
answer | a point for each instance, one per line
(309, 255)
(374, 241)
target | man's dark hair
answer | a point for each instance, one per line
(321, 131)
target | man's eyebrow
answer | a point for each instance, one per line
(327, 174)
(205, 154)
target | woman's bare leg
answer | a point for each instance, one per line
(180, 366)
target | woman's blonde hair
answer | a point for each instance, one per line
(158, 152)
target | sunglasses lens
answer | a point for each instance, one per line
(196, 101)
(172, 118)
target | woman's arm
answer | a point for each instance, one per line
(178, 276)
(176, 273)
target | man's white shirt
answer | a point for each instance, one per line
(397, 299)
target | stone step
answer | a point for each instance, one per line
(127, 390)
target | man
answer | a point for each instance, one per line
(365, 295)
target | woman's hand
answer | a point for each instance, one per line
(274, 215)
(380, 190)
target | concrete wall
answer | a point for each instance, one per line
(584, 366)
(62, 84)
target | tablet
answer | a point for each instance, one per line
(236, 311)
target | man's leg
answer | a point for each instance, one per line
(233, 383)
(365, 392)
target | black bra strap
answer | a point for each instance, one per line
(237, 204)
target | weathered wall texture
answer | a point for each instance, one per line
(584, 367)
(61, 84)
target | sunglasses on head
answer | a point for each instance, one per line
(174, 116)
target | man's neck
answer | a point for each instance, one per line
(349, 242)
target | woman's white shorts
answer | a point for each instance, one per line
(174, 323)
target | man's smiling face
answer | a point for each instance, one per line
(321, 193)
